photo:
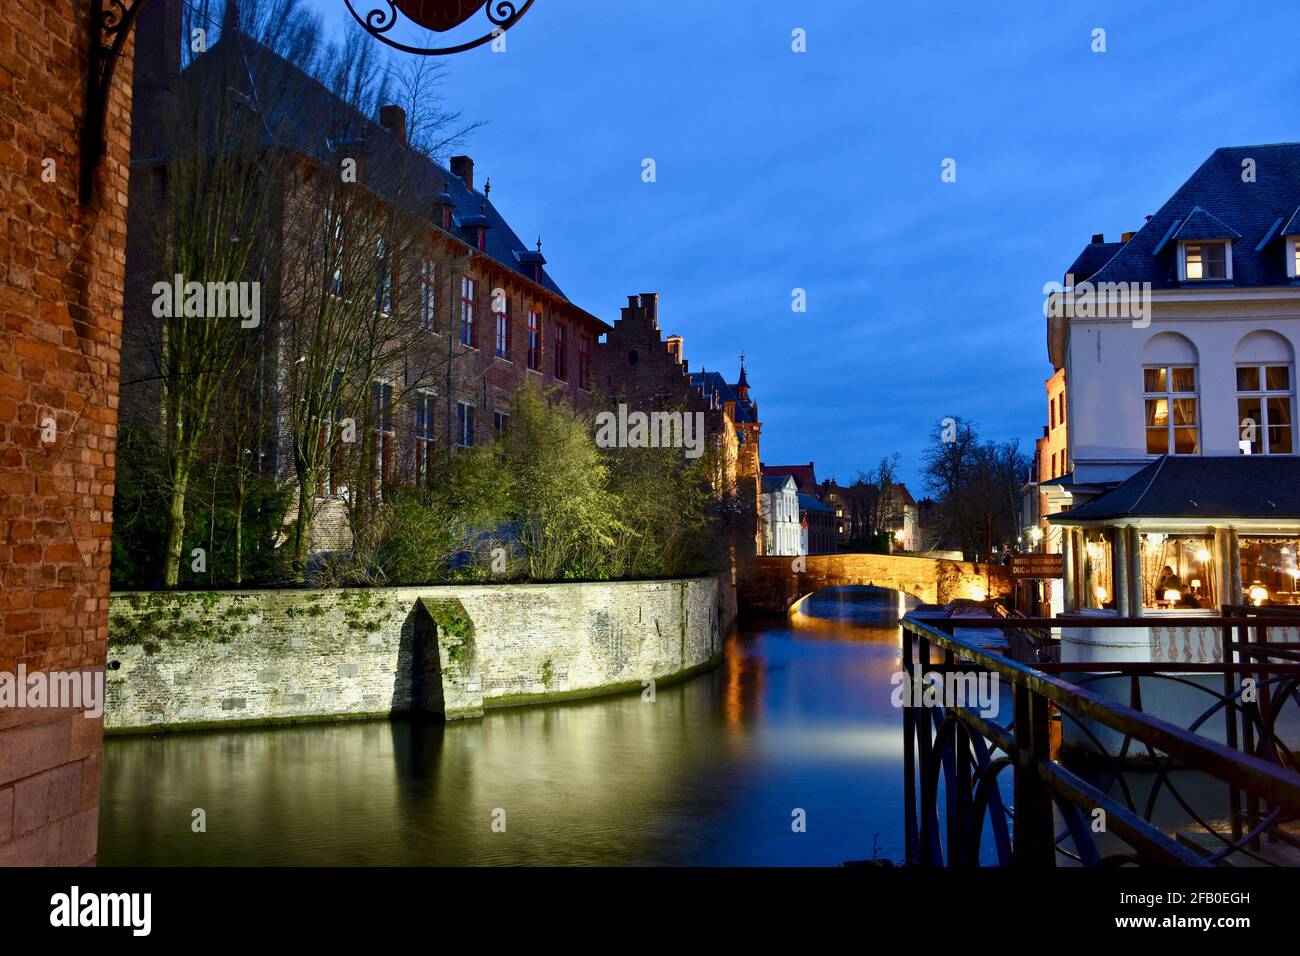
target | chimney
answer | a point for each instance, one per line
(393, 119)
(1125, 237)
(674, 343)
(650, 302)
(1098, 238)
(463, 167)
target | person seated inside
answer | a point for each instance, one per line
(1169, 581)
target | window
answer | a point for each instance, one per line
(501, 422)
(381, 436)
(1206, 260)
(383, 280)
(502, 306)
(428, 282)
(1269, 573)
(464, 425)
(1097, 570)
(1264, 403)
(424, 447)
(561, 351)
(331, 438)
(584, 361)
(1177, 571)
(1169, 393)
(468, 327)
(534, 340)
(334, 227)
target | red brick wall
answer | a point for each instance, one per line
(61, 274)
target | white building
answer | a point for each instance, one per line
(1184, 489)
(782, 532)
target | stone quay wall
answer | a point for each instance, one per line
(192, 660)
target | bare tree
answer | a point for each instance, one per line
(432, 128)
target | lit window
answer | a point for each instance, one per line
(534, 340)
(1171, 400)
(1178, 571)
(464, 425)
(468, 330)
(1265, 399)
(1269, 572)
(1205, 260)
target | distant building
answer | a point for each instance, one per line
(782, 531)
(805, 476)
(636, 365)
(818, 523)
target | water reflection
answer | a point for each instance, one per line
(798, 716)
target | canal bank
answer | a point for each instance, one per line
(199, 660)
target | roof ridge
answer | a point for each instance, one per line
(1160, 464)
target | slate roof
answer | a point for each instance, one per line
(1199, 224)
(809, 503)
(302, 114)
(1254, 211)
(1094, 256)
(773, 483)
(1211, 487)
(803, 475)
(716, 389)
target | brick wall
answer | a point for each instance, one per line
(61, 274)
(189, 659)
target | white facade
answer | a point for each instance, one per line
(782, 532)
(1214, 331)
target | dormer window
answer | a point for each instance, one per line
(1293, 257)
(1206, 261)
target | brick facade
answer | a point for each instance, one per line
(61, 300)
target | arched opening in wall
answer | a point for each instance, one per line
(859, 609)
(420, 640)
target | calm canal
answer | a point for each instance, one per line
(797, 717)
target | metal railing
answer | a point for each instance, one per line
(1084, 804)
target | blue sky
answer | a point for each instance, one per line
(821, 171)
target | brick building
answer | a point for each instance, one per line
(481, 312)
(638, 366)
(61, 298)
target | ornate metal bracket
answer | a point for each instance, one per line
(110, 25)
(437, 15)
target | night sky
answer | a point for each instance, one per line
(778, 170)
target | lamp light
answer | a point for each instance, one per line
(1173, 596)
(1202, 555)
(1258, 594)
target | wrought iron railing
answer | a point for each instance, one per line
(1233, 800)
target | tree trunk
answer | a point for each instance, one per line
(175, 525)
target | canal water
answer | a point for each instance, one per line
(795, 725)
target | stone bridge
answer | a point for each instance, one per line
(774, 585)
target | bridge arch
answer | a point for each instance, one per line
(774, 585)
